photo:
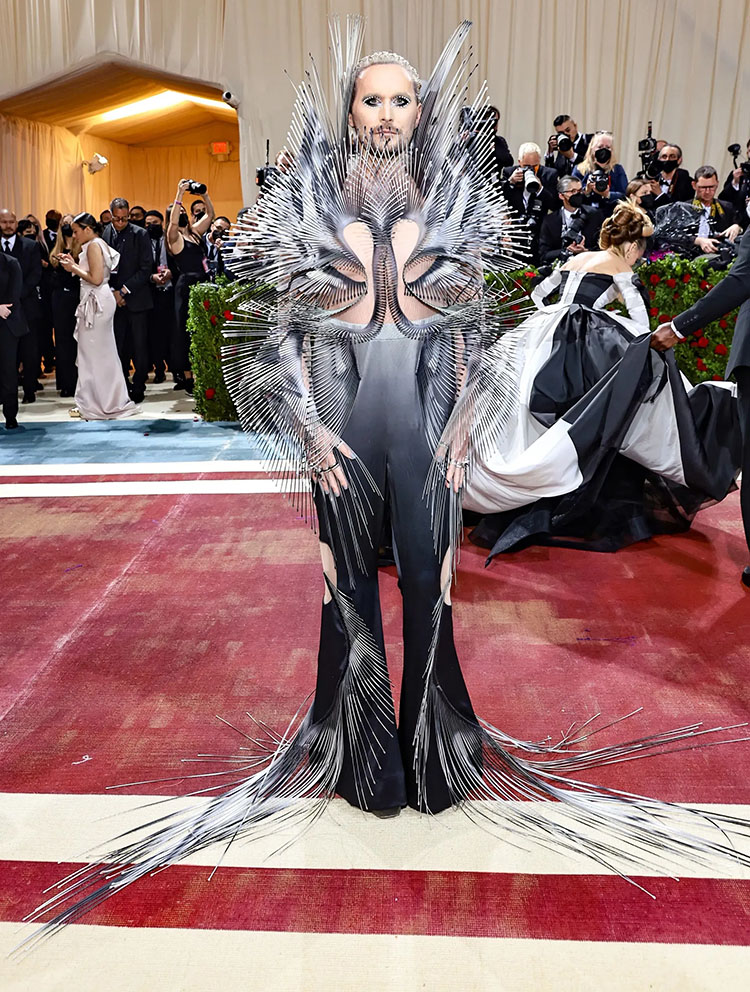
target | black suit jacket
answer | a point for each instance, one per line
(564, 166)
(680, 190)
(11, 288)
(550, 235)
(503, 156)
(136, 265)
(28, 254)
(733, 291)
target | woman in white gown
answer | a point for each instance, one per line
(101, 393)
(611, 443)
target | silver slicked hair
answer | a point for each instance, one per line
(389, 58)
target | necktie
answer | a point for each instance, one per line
(6, 247)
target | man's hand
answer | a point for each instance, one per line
(736, 177)
(733, 232)
(5, 309)
(664, 338)
(119, 298)
(576, 248)
(331, 475)
(552, 145)
(707, 245)
(516, 175)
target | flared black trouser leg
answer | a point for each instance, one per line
(386, 431)
(742, 376)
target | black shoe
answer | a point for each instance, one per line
(29, 398)
(39, 387)
(385, 814)
(189, 386)
(11, 423)
(137, 396)
(179, 382)
(160, 377)
(66, 394)
(745, 577)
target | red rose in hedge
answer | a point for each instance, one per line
(687, 277)
(671, 282)
(207, 304)
(664, 318)
(529, 275)
(654, 278)
(723, 324)
(701, 365)
(213, 319)
(515, 307)
(721, 349)
(703, 342)
(228, 315)
(209, 393)
(704, 284)
(653, 311)
(716, 377)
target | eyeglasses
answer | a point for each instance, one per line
(700, 189)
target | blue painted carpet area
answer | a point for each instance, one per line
(132, 441)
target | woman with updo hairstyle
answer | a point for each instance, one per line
(100, 392)
(606, 449)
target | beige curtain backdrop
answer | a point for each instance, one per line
(610, 63)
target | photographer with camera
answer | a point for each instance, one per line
(566, 147)
(675, 183)
(214, 242)
(531, 190)
(736, 189)
(603, 178)
(573, 228)
(187, 252)
(716, 221)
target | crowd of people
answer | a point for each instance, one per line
(565, 193)
(102, 303)
(562, 195)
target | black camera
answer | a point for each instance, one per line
(600, 179)
(574, 233)
(196, 188)
(266, 173)
(734, 150)
(564, 144)
(649, 156)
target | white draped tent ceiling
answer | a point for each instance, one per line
(685, 64)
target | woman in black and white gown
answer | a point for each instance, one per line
(612, 444)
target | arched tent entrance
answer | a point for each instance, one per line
(152, 127)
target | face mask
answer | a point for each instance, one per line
(183, 221)
(575, 200)
(648, 201)
(67, 230)
(602, 155)
(667, 165)
(198, 214)
(155, 231)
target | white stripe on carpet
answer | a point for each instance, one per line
(178, 487)
(135, 468)
(147, 959)
(56, 827)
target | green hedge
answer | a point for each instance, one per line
(674, 284)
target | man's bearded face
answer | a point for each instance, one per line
(385, 110)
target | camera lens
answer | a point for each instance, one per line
(564, 143)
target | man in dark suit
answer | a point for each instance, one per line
(567, 147)
(161, 319)
(12, 328)
(676, 183)
(573, 228)
(731, 292)
(46, 341)
(131, 285)
(213, 241)
(531, 190)
(28, 254)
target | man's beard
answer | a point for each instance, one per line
(392, 142)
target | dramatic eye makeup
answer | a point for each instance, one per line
(402, 100)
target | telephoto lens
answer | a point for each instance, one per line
(530, 181)
(564, 144)
(197, 188)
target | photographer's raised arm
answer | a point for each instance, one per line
(207, 219)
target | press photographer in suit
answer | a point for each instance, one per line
(731, 292)
(12, 328)
(531, 190)
(573, 228)
(28, 254)
(131, 285)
